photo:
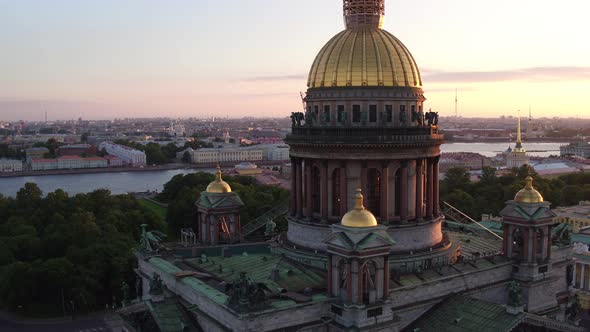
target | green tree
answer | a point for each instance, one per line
(84, 137)
(456, 178)
(186, 157)
(571, 195)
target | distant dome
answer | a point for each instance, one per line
(529, 194)
(218, 186)
(359, 217)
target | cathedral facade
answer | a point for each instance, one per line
(365, 248)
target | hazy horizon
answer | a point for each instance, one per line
(111, 59)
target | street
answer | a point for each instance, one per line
(85, 324)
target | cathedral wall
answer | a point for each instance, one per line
(438, 289)
(308, 236)
(216, 316)
(416, 236)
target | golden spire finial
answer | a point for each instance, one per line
(219, 173)
(529, 182)
(359, 200)
(218, 185)
(528, 194)
(359, 217)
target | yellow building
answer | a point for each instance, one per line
(577, 216)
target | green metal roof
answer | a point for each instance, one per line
(462, 314)
(259, 267)
(168, 316)
(164, 265)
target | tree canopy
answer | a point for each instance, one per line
(59, 248)
(490, 193)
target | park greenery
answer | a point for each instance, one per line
(490, 193)
(62, 254)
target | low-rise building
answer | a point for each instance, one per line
(128, 155)
(76, 150)
(76, 162)
(10, 166)
(577, 216)
(114, 161)
(576, 149)
(36, 153)
(275, 152)
(219, 155)
(43, 164)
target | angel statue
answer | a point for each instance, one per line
(150, 241)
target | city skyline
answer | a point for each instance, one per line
(108, 59)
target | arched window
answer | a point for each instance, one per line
(315, 189)
(336, 192)
(369, 282)
(343, 277)
(374, 191)
(398, 193)
(539, 243)
(517, 243)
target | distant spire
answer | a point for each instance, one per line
(519, 134)
(456, 104)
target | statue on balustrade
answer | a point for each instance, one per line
(415, 116)
(308, 118)
(325, 117)
(363, 117)
(432, 118)
(342, 117)
(514, 294)
(403, 118)
(296, 118)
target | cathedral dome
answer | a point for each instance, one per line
(528, 194)
(364, 56)
(218, 186)
(359, 217)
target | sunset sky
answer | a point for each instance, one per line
(101, 59)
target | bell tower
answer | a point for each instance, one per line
(527, 224)
(218, 217)
(358, 268)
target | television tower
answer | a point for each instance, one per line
(456, 104)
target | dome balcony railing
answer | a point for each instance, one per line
(361, 135)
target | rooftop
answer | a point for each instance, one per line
(459, 313)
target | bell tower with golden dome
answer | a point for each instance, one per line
(527, 224)
(358, 267)
(218, 216)
(364, 126)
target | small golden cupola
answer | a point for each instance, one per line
(218, 186)
(359, 217)
(529, 194)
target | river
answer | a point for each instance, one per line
(120, 183)
(117, 183)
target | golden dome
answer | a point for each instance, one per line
(218, 186)
(528, 194)
(359, 217)
(364, 56)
